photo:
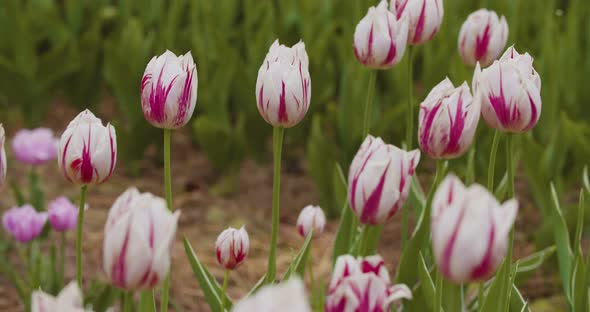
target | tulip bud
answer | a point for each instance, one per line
(469, 230)
(425, 17)
(24, 223)
(232, 247)
(138, 236)
(63, 215)
(87, 150)
(347, 265)
(482, 37)
(2, 157)
(380, 39)
(288, 296)
(69, 300)
(169, 90)
(448, 120)
(283, 86)
(311, 217)
(34, 147)
(379, 180)
(509, 92)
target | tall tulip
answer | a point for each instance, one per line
(2, 157)
(469, 230)
(34, 147)
(448, 120)
(288, 296)
(311, 218)
(482, 37)
(425, 18)
(69, 299)
(24, 223)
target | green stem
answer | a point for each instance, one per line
(410, 117)
(362, 248)
(492, 164)
(511, 194)
(277, 142)
(79, 235)
(224, 290)
(439, 292)
(369, 103)
(168, 192)
(481, 295)
(128, 301)
(62, 257)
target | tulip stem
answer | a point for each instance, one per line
(369, 103)
(362, 249)
(410, 117)
(62, 260)
(492, 164)
(224, 290)
(511, 194)
(79, 235)
(128, 301)
(168, 192)
(439, 292)
(277, 142)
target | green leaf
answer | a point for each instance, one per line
(532, 262)
(517, 302)
(579, 288)
(19, 198)
(494, 299)
(257, 286)
(146, 301)
(299, 262)
(36, 197)
(346, 228)
(562, 241)
(586, 180)
(426, 283)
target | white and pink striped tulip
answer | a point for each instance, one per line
(380, 39)
(232, 247)
(311, 218)
(169, 90)
(509, 92)
(482, 37)
(2, 157)
(87, 151)
(425, 18)
(283, 86)
(379, 180)
(69, 299)
(138, 236)
(469, 230)
(448, 120)
(288, 296)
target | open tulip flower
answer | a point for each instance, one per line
(24, 223)
(425, 18)
(379, 180)
(448, 120)
(69, 300)
(469, 230)
(311, 218)
(510, 92)
(380, 39)
(482, 37)
(288, 296)
(232, 247)
(2, 157)
(34, 147)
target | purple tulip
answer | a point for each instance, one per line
(63, 215)
(35, 147)
(24, 223)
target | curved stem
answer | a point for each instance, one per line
(79, 235)
(168, 192)
(369, 103)
(224, 290)
(277, 139)
(410, 117)
(492, 164)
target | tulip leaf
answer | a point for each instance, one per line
(494, 299)
(586, 180)
(532, 262)
(257, 286)
(146, 301)
(562, 241)
(579, 288)
(517, 302)
(346, 228)
(299, 262)
(426, 283)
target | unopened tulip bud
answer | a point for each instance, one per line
(311, 218)
(482, 37)
(448, 120)
(63, 215)
(2, 157)
(379, 180)
(283, 86)
(87, 150)
(169, 90)
(469, 230)
(35, 147)
(139, 233)
(69, 300)
(425, 18)
(232, 247)
(288, 296)
(24, 223)
(380, 39)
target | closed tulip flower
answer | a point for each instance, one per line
(283, 86)
(232, 247)
(63, 215)
(509, 92)
(87, 150)
(448, 120)
(24, 223)
(425, 18)
(138, 236)
(482, 37)
(379, 180)
(288, 296)
(469, 230)
(380, 39)
(35, 147)
(69, 299)
(169, 90)
(2, 157)
(311, 218)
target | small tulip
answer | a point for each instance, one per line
(448, 120)
(482, 37)
(379, 180)
(138, 236)
(509, 92)
(24, 223)
(232, 247)
(380, 39)
(63, 215)
(2, 157)
(283, 86)
(169, 90)
(87, 150)
(35, 147)
(425, 18)
(288, 296)
(69, 300)
(311, 217)
(469, 230)
(347, 265)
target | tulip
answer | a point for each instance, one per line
(138, 236)
(63, 214)
(69, 300)
(169, 101)
(448, 120)
(35, 147)
(24, 223)
(347, 265)
(288, 296)
(87, 150)
(232, 247)
(283, 86)
(379, 180)
(425, 17)
(380, 39)
(482, 37)
(311, 217)
(2, 157)
(509, 92)
(469, 230)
